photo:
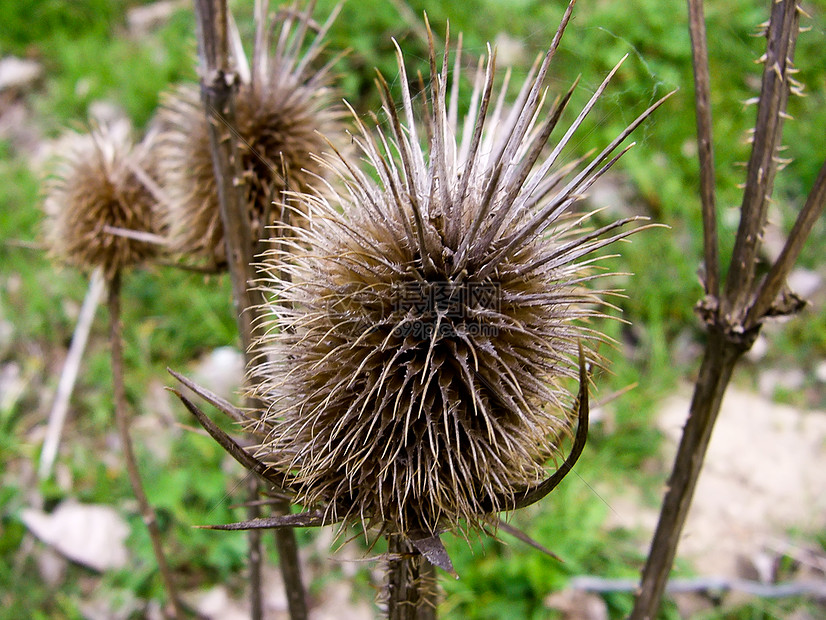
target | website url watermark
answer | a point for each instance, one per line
(445, 309)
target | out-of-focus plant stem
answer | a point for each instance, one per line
(218, 87)
(122, 421)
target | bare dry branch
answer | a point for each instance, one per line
(218, 88)
(705, 145)
(771, 286)
(299, 519)
(123, 423)
(715, 372)
(730, 334)
(762, 166)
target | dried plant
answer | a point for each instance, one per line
(101, 216)
(96, 186)
(282, 102)
(414, 366)
(422, 328)
(732, 313)
(286, 102)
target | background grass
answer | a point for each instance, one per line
(171, 317)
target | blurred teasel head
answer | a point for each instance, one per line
(424, 328)
(282, 103)
(100, 184)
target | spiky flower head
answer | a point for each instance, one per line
(100, 184)
(281, 105)
(423, 326)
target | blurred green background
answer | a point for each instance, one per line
(90, 52)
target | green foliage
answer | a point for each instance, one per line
(30, 23)
(89, 56)
(505, 578)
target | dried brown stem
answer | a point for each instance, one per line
(718, 363)
(255, 554)
(122, 420)
(218, 88)
(299, 519)
(705, 145)
(217, 93)
(732, 324)
(776, 277)
(412, 590)
(762, 166)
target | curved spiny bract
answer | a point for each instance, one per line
(96, 183)
(281, 105)
(424, 326)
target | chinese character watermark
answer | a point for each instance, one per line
(445, 309)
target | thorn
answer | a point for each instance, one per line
(751, 101)
(760, 60)
(778, 71)
(802, 12)
(803, 28)
(761, 30)
(786, 116)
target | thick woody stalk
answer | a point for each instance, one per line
(122, 420)
(412, 588)
(718, 363)
(733, 320)
(218, 86)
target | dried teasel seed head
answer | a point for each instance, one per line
(282, 104)
(424, 326)
(98, 182)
